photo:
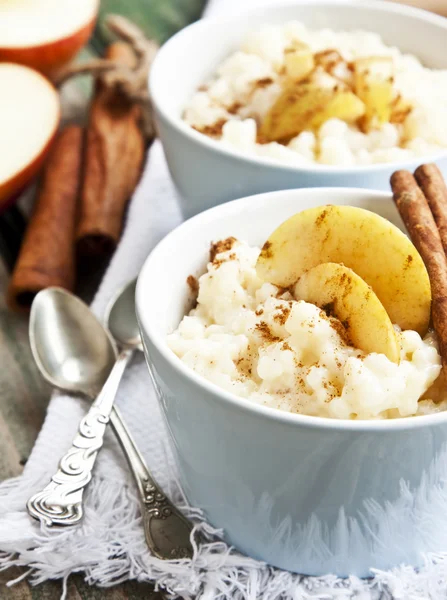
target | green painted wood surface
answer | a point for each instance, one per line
(159, 19)
(23, 394)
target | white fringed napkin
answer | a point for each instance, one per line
(109, 546)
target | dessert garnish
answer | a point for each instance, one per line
(420, 200)
(331, 317)
(342, 98)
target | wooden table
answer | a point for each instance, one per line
(23, 394)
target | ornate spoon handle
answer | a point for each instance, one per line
(60, 502)
(167, 531)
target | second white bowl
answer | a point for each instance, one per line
(205, 172)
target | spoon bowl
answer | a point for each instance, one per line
(121, 318)
(72, 349)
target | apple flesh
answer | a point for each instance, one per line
(368, 244)
(346, 296)
(29, 118)
(45, 34)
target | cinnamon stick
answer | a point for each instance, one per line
(432, 184)
(114, 155)
(47, 253)
(415, 212)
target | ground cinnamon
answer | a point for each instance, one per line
(47, 253)
(415, 212)
(432, 184)
(115, 149)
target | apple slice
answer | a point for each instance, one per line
(374, 78)
(370, 245)
(299, 62)
(346, 296)
(307, 104)
(29, 117)
(45, 34)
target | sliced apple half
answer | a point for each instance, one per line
(370, 245)
(45, 34)
(29, 117)
(346, 296)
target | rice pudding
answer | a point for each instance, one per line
(339, 98)
(256, 340)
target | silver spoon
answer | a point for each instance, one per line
(75, 353)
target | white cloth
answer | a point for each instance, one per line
(109, 546)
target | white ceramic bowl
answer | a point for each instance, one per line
(206, 173)
(308, 494)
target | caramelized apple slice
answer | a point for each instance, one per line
(299, 62)
(374, 85)
(307, 104)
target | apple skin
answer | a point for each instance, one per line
(10, 190)
(51, 57)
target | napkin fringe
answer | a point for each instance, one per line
(109, 548)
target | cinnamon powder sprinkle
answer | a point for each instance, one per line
(234, 108)
(328, 59)
(214, 130)
(342, 329)
(408, 262)
(282, 315)
(322, 217)
(219, 261)
(261, 83)
(267, 251)
(244, 363)
(221, 246)
(266, 332)
(193, 284)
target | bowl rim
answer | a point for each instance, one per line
(220, 395)
(159, 67)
